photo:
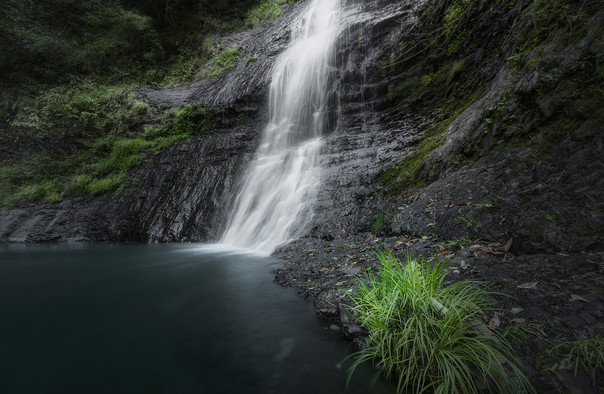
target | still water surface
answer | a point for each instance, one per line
(160, 319)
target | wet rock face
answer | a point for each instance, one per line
(545, 204)
(182, 193)
(507, 196)
(365, 140)
(474, 186)
(180, 196)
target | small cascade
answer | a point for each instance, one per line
(279, 188)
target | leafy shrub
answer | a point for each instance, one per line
(50, 40)
(86, 110)
(140, 107)
(429, 336)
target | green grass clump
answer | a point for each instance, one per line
(466, 240)
(267, 9)
(588, 355)
(487, 205)
(425, 335)
(47, 191)
(224, 62)
(469, 222)
(105, 185)
(123, 156)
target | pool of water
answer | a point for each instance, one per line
(161, 319)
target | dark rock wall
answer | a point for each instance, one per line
(177, 198)
(502, 164)
(182, 193)
(479, 178)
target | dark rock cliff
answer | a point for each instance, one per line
(177, 197)
(415, 103)
(477, 146)
(181, 193)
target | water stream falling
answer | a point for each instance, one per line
(281, 183)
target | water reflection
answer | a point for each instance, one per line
(159, 319)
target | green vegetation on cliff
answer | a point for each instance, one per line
(102, 164)
(460, 48)
(71, 122)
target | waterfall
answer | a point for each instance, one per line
(279, 187)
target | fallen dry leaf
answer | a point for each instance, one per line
(549, 291)
(495, 321)
(564, 364)
(479, 249)
(508, 245)
(397, 244)
(516, 311)
(585, 275)
(528, 285)
(481, 328)
(530, 190)
(576, 297)
(536, 330)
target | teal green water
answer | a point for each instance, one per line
(160, 319)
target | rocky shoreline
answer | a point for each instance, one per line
(547, 299)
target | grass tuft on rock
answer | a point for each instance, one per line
(586, 354)
(267, 9)
(426, 335)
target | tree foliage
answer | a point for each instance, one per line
(71, 122)
(48, 41)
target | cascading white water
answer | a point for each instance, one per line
(281, 183)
